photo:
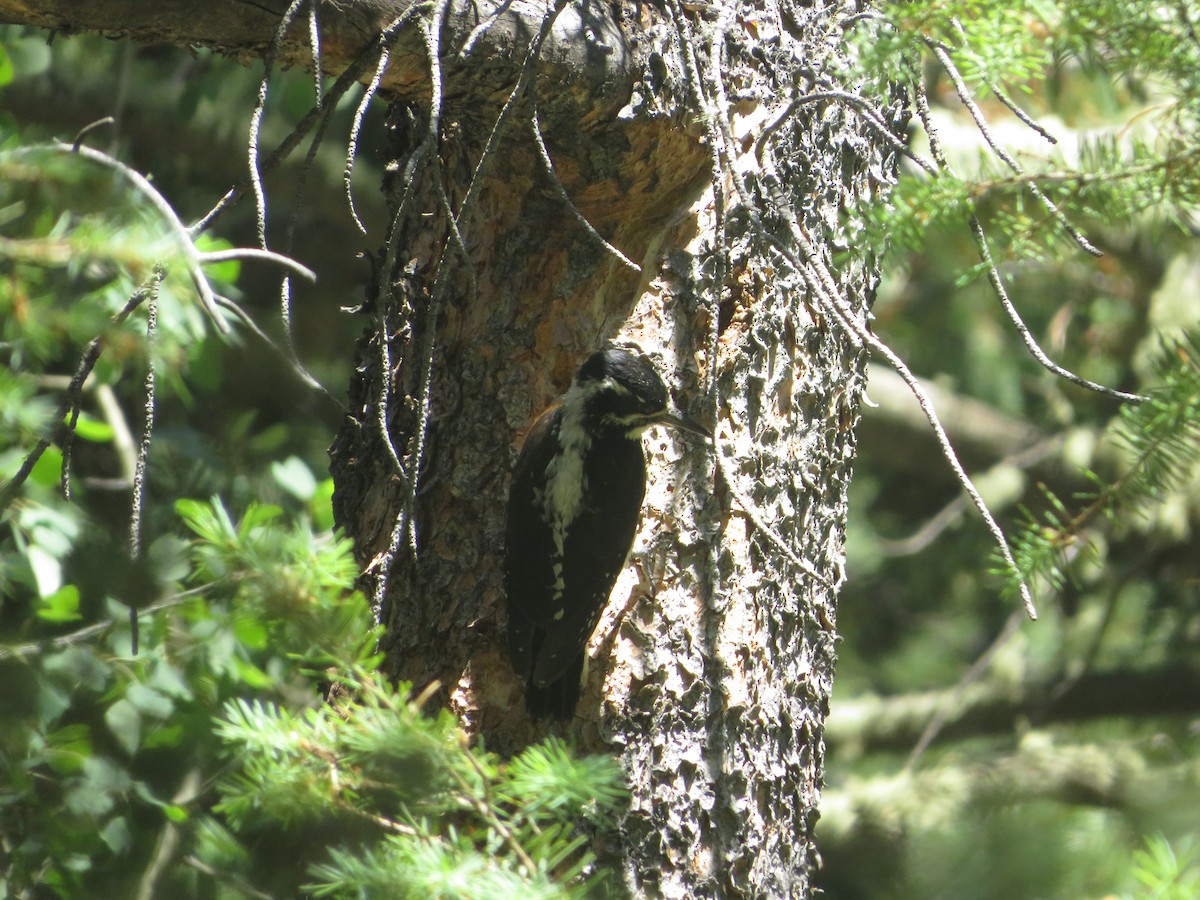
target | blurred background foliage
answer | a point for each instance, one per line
(971, 754)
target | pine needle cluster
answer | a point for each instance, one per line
(1159, 442)
(423, 813)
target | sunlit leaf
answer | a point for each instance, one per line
(294, 476)
(125, 723)
(62, 605)
(95, 430)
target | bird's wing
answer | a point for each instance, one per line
(595, 551)
(529, 547)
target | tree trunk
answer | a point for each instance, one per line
(670, 129)
(711, 669)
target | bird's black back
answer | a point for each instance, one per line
(548, 629)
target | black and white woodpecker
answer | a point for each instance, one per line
(573, 511)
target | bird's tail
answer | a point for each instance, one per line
(557, 699)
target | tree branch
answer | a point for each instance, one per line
(246, 30)
(882, 724)
(1085, 774)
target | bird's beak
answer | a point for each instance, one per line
(678, 420)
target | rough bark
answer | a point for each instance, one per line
(246, 31)
(713, 666)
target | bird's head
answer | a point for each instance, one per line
(620, 390)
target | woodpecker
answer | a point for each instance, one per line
(573, 511)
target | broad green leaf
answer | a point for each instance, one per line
(92, 429)
(226, 271)
(116, 835)
(251, 632)
(62, 605)
(125, 723)
(6, 68)
(294, 476)
(149, 701)
(321, 505)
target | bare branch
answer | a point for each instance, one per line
(33, 648)
(216, 256)
(964, 96)
(985, 256)
(536, 129)
(528, 70)
(410, 475)
(1021, 115)
(60, 428)
(1022, 329)
(297, 369)
(482, 28)
(122, 442)
(314, 41)
(88, 129)
(1001, 95)
(137, 504)
(935, 145)
(183, 241)
(260, 108)
(360, 113)
(355, 70)
(864, 107)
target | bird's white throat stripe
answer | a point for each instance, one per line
(566, 481)
(560, 582)
(566, 478)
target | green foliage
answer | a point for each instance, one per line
(206, 763)
(1102, 498)
(98, 740)
(212, 738)
(450, 821)
(94, 254)
(1113, 58)
(1143, 172)
(1139, 46)
(1165, 872)
(110, 750)
(1159, 442)
(993, 43)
